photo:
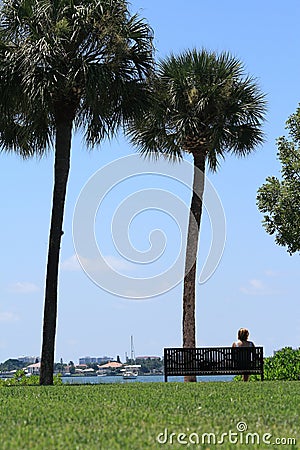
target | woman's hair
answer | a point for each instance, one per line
(243, 334)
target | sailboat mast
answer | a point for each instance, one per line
(132, 353)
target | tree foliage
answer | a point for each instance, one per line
(20, 379)
(67, 65)
(11, 364)
(279, 199)
(84, 59)
(284, 365)
(202, 101)
(150, 365)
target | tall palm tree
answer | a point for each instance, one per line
(204, 105)
(65, 65)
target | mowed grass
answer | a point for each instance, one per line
(132, 416)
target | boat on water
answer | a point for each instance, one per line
(131, 371)
(129, 375)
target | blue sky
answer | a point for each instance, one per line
(256, 282)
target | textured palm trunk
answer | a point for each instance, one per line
(189, 290)
(61, 172)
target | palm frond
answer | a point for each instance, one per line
(202, 101)
(90, 58)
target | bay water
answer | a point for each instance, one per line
(139, 379)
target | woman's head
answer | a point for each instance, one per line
(243, 334)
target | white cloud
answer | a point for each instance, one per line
(256, 284)
(8, 317)
(24, 287)
(256, 287)
(71, 264)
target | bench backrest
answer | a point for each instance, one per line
(213, 360)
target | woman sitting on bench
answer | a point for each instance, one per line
(242, 341)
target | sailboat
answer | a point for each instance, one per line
(131, 371)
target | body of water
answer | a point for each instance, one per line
(139, 379)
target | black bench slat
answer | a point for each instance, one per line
(213, 361)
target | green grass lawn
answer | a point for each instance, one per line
(132, 416)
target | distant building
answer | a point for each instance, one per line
(111, 365)
(34, 369)
(85, 360)
(81, 366)
(94, 360)
(29, 359)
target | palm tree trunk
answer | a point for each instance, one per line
(189, 290)
(61, 172)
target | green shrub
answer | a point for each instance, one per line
(20, 379)
(284, 365)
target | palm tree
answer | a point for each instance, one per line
(65, 65)
(204, 105)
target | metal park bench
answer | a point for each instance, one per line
(213, 361)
